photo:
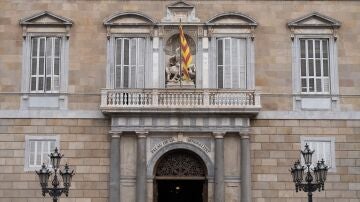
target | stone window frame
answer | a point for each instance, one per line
(235, 25)
(331, 140)
(128, 25)
(45, 24)
(28, 139)
(315, 26)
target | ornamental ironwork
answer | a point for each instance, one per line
(181, 164)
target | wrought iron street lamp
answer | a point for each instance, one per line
(44, 174)
(310, 185)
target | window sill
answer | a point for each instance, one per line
(315, 102)
(54, 101)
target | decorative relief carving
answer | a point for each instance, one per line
(180, 11)
(181, 163)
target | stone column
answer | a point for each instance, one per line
(114, 193)
(141, 167)
(219, 192)
(245, 169)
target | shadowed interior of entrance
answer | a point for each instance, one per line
(180, 190)
(180, 176)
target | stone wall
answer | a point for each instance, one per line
(87, 65)
(275, 146)
(84, 142)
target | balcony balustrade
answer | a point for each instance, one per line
(181, 100)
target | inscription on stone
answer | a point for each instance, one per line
(189, 140)
(157, 146)
(198, 144)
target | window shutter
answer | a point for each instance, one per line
(242, 58)
(56, 70)
(235, 63)
(322, 151)
(141, 63)
(41, 70)
(126, 63)
(49, 63)
(220, 63)
(34, 63)
(32, 153)
(118, 50)
(227, 64)
(133, 62)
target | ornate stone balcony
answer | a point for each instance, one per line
(180, 101)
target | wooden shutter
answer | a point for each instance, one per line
(118, 62)
(129, 63)
(231, 63)
(227, 63)
(220, 63)
(141, 51)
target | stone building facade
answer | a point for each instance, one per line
(98, 79)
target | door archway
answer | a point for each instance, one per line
(180, 175)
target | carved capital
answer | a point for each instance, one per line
(108, 34)
(219, 135)
(335, 34)
(252, 31)
(210, 31)
(142, 134)
(114, 134)
(200, 31)
(292, 35)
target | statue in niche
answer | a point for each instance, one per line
(172, 54)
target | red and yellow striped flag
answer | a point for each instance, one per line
(186, 58)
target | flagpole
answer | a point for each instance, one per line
(180, 66)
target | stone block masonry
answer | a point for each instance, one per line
(273, 153)
(85, 144)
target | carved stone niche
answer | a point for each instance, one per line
(180, 11)
(172, 59)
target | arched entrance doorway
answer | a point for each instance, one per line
(180, 176)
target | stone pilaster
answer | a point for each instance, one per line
(219, 192)
(114, 192)
(245, 168)
(141, 167)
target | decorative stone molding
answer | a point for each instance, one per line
(315, 26)
(129, 23)
(231, 22)
(314, 23)
(209, 162)
(219, 135)
(180, 11)
(141, 134)
(115, 134)
(45, 24)
(182, 123)
(46, 21)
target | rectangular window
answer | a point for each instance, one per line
(129, 62)
(324, 149)
(37, 150)
(314, 66)
(45, 64)
(231, 62)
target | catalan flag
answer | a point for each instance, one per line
(186, 58)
